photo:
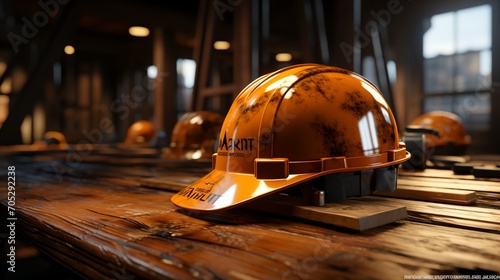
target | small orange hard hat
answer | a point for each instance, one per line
(54, 137)
(449, 126)
(140, 132)
(294, 125)
(194, 136)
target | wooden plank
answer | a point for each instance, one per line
(482, 219)
(108, 232)
(90, 171)
(354, 213)
(470, 217)
(175, 182)
(431, 194)
(442, 183)
(144, 161)
(491, 200)
(442, 173)
(31, 150)
(129, 182)
(129, 151)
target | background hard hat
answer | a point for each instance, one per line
(293, 125)
(140, 132)
(54, 137)
(194, 136)
(51, 140)
(450, 128)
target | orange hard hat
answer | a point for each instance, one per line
(54, 137)
(140, 132)
(294, 125)
(51, 140)
(449, 126)
(194, 136)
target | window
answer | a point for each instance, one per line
(185, 80)
(457, 65)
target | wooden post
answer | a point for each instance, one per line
(165, 84)
(242, 46)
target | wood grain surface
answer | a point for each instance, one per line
(433, 194)
(101, 220)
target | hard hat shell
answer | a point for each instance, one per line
(293, 125)
(140, 132)
(450, 128)
(194, 136)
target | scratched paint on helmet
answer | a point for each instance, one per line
(359, 104)
(334, 140)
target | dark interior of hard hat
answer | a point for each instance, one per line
(440, 157)
(51, 141)
(339, 186)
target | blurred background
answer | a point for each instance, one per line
(89, 69)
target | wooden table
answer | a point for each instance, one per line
(98, 219)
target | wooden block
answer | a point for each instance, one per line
(460, 197)
(489, 171)
(354, 213)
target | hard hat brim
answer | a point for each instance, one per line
(222, 190)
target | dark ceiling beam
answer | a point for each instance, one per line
(137, 12)
(108, 46)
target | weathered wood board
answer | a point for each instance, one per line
(431, 194)
(101, 220)
(447, 183)
(170, 183)
(445, 174)
(110, 232)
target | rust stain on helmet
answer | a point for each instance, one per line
(249, 110)
(334, 141)
(312, 85)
